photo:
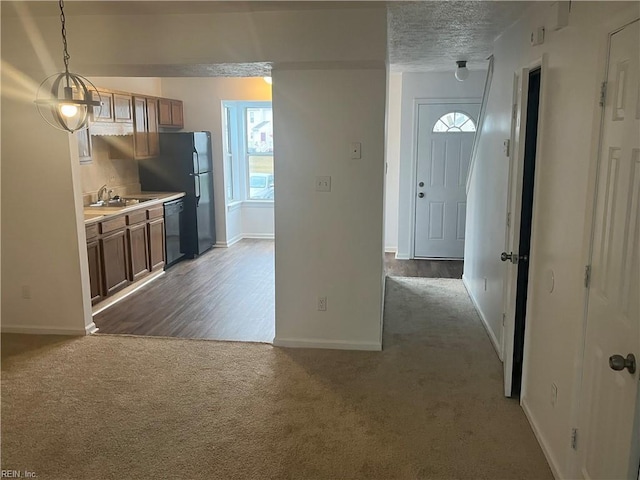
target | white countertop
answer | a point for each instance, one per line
(96, 214)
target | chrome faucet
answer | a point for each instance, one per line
(101, 192)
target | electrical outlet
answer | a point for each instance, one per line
(322, 304)
(554, 394)
(323, 184)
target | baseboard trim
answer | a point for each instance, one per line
(402, 256)
(492, 336)
(260, 236)
(327, 344)
(90, 329)
(390, 249)
(553, 464)
(36, 330)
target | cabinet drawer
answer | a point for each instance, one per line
(112, 225)
(155, 212)
(136, 217)
(91, 231)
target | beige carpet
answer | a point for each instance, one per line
(429, 406)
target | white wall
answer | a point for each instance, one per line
(561, 208)
(392, 179)
(329, 243)
(143, 85)
(341, 40)
(202, 99)
(422, 86)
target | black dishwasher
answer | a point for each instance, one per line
(173, 225)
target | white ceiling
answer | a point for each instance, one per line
(423, 36)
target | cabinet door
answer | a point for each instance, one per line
(104, 113)
(84, 145)
(156, 244)
(140, 142)
(122, 110)
(114, 261)
(164, 112)
(177, 117)
(95, 271)
(152, 127)
(138, 257)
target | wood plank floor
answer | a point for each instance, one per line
(225, 294)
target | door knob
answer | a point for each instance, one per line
(618, 363)
(421, 184)
(513, 257)
(421, 195)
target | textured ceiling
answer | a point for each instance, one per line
(423, 36)
(432, 35)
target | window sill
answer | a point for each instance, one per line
(258, 203)
(234, 205)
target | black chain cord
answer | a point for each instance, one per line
(66, 56)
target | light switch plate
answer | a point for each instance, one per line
(323, 184)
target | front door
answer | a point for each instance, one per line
(609, 414)
(445, 140)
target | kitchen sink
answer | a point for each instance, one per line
(120, 202)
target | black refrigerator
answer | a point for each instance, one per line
(185, 165)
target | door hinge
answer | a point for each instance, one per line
(587, 276)
(504, 319)
(514, 111)
(574, 438)
(603, 93)
(508, 219)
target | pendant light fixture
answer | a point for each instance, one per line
(462, 72)
(64, 100)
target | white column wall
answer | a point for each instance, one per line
(329, 243)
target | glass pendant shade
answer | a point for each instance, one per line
(462, 72)
(65, 101)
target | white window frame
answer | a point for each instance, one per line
(239, 176)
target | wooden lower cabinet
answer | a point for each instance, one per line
(114, 261)
(156, 244)
(95, 271)
(123, 249)
(138, 258)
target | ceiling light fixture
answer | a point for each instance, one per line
(63, 99)
(462, 72)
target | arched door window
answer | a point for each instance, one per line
(453, 122)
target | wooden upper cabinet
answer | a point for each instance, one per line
(122, 108)
(84, 145)
(177, 114)
(152, 127)
(140, 141)
(146, 141)
(104, 113)
(170, 113)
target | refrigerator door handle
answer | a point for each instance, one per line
(196, 163)
(197, 188)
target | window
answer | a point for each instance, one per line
(454, 122)
(249, 133)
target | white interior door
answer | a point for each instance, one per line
(514, 207)
(444, 143)
(609, 420)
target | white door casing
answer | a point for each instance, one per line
(608, 445)
(442, 164)
(514, 207)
